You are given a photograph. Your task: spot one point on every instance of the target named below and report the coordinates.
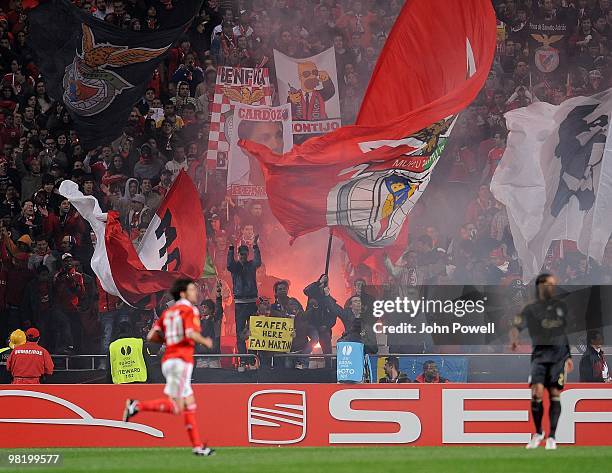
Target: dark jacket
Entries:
(401, 378)
(279, 308)
(244, 279)
(32, 303)
(211, 327)
(301, 327)
(591, 366)
(327, 311)
(360, 334)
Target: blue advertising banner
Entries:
(350, 362)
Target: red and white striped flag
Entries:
(174, 245)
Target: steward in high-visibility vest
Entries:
(127, 363)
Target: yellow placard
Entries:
(270, 333)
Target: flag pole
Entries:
(329, 246)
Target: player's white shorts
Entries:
(178, 377)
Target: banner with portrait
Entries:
(269, 126)
(310, 85)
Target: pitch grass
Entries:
(331, 460)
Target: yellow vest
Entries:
(2, 350)
(127, 361)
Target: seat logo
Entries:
(277, 416)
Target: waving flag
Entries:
(363, 180)
(555, 177)
(173, 246)
(98, 70)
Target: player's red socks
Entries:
(157, 405)
(189, 416)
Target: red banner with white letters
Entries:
(300, 415)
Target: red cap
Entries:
(32, 332)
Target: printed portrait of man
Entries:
(267, 133)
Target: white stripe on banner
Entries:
(89, 209)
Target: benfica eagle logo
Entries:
(546, 57)
(89, 86)
(376, 199)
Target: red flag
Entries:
(364, 179)
(174, 245)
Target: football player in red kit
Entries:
(179, 328)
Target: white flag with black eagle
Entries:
(555, 177)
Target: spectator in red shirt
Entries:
(479, 206)
(358, 21)
(177, 55)
(28, 362)
(430, 374)
(165, 182)
(102, 162)
(69, 222)
(494, 156)
(18, 79)
(68, 290)
(8, 100)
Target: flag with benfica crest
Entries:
(97, 69)
(363, 180)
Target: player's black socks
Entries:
(555, 412)
(537, 411)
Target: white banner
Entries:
(310, 85)
(269, 126)
(555, 177)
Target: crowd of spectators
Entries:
(45, 246)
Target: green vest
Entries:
(127, 361)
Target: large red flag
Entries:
(363, 180)
(173, 246)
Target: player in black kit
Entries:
(545, 320)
